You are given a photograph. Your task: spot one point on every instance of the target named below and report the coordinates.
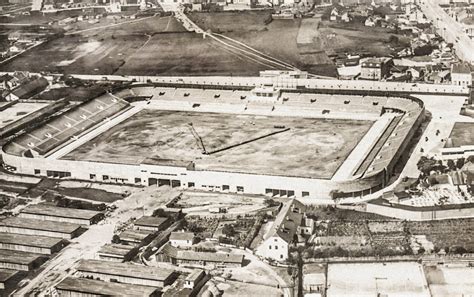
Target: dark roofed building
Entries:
(39, 227)
(28, 89)
(61, 214)
(117, 252)
(17, 260)
(87, 287)
(31, 243)
(201, 259)
(8, 278)
(148, 223)
(127, 273)
(136, 237)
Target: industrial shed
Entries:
(31, 243)
(20, 260)
(135, 237)
(153, 224)
(126, 273)
(117, 252)
(8, 278)
(61, 214)
(80, 287)
(39, 227)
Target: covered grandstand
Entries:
(67, 126)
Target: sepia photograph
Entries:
(207, 148)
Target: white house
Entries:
(461, 74)
(181, 239)
(290, 222)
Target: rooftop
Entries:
(195, 275)
(461, 68)
(29, 240)
(84, 285)
(6, 274)
(116, 249)
(181, 236)
(30, 88)
(63, 212)
(18, 257)
(33, 224)
(151, 221)
(134, 235)
(209, 257)
(287, 221)
(462, 134)
(125, 269)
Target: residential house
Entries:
(375, 68)
(461, 74)
(28, 89)
(182, 239)
(290, 222)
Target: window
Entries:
(191, 185)
(291, 193)
(240, 189)
(269, 247)
(37, 171)
(105, 177)
(92, 176)
(276, 247)
(225, 187)
(305, 194)
(138, 180)
(281, 256)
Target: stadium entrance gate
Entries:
(164, 182)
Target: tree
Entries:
(228, 230)
(451, 165)
(426, 165)
(460, 163)
(115, 239)
(393, 39)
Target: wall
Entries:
(419, 215)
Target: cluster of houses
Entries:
(21, 85)
(18, 43)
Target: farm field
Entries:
(159, 43)
(318, 147)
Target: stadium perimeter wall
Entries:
(143, 174)
(415, 214)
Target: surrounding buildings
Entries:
(461, 74)
(375, 68)
(117, 252)
(181, 239)
(8, 278)
(135, 237)
(61, 214)
(290, 223)
(207, 260)
(31, 243)
(79, 287)
(126, 273)
(39, 227)
(152, 224)
(18, 260)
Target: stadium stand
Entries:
(71, 123)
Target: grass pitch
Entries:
(311, 148)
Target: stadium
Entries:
(279, 141)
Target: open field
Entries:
(350, 37)
(152, 46)
(376, 279)
(462, 134)
(311, 147)
(450, 280)
(18, 111)
(277, 38)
